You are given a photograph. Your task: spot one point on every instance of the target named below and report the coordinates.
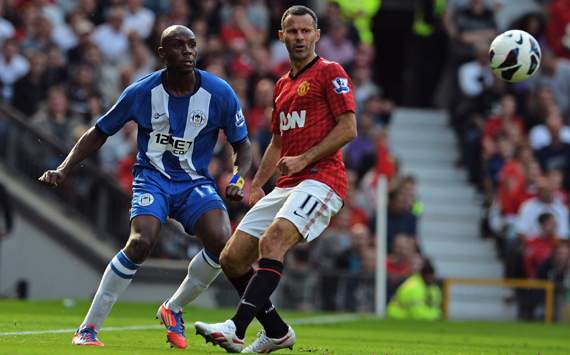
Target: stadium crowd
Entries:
(514, 141)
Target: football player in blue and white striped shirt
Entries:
(179, 111)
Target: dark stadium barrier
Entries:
(88, 194)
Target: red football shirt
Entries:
(304, 113)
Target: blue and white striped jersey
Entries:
(177, 135)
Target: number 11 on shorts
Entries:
(307, 207)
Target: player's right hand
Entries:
(52, 177)
(255, 194)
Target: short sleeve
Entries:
(338, 90)
(112, 121)
(235, 127)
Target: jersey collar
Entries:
(303, 69)
(196, 87)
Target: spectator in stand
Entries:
(545, 201)
(356, 213)
(505, 122)
(408, 185)
(13, 66)
(556, 155)
(476, 81)
(537, 249)
(538, 104)
(400, 218)
(179, 12)
(57, 69)
(495, 161)
(39, 38)
(209, 11)
(509, 195)
(143, 62)
(336, 46)
(56, 118)
(83, 30)
(258, 15)
(80, 89)
(418, 298)
(360, 153)
(364, 87)
(105, 75)
(469, 26)
(556, 178)
(30, 90)
(400, 262)
(111, 38)
(256, 116)
(554, 73)
(238, 31)
(92, 11)
(138, 18)
(380, 108)
(540, 135)
(331, 15)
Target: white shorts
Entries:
(309, 206)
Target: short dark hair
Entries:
(544, 217)
(427, 268)
(299, 10)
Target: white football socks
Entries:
(202, 271)
(116, 278)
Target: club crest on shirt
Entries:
(303, 88)
(146, 199)
(197, 118)
(341, 85)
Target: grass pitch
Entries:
(316, 333)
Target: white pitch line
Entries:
(72, 330)
(338, 318)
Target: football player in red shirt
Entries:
(313, 117)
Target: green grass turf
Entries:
(363, 336)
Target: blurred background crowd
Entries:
(63, 63)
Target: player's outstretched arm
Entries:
(242, 164)
(266, 168)
(89, 143)
(341, 134)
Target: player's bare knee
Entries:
(138, 248)
(218, 238)
(271, 246)
(232, 263)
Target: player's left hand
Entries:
(234, 193)
(291, 165)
